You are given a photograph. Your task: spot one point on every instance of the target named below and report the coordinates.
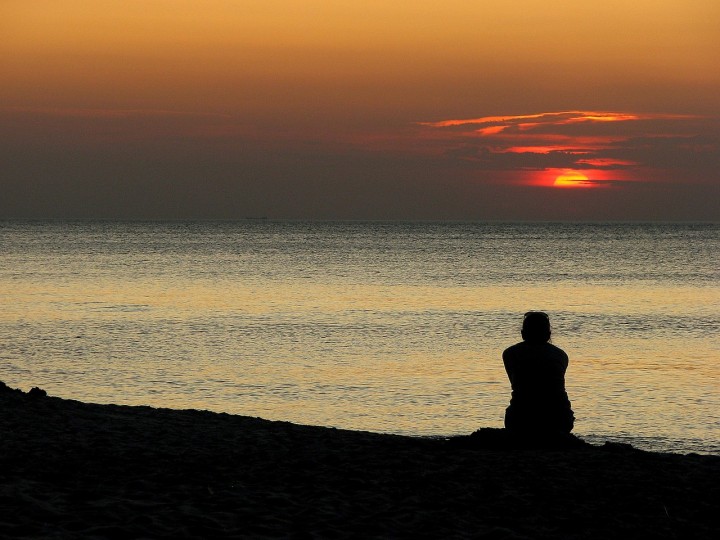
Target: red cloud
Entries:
(593, 142)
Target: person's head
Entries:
(536, 327)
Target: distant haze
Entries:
(523, 110)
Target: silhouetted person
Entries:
(536, 368)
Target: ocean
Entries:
(393, 327)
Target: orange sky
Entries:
(330, 108)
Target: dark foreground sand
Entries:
(76, 470)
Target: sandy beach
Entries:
(75, 470)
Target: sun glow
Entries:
(572, 179)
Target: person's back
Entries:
(536, 370)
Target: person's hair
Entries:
(536, 327)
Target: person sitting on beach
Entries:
(536, 369)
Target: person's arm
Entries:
(509, 364)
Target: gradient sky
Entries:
(370, 109)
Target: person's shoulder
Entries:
(557, 351)
(513, 350)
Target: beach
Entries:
(79, 470)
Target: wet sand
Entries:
(77, 470)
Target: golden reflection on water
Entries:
(446, 379)
(61, 300)
(385, 327)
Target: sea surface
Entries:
(388, 327)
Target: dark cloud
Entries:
(167, 166)
(699, 152)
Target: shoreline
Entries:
(71, 469)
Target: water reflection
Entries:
(384, 328)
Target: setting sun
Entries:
(572, 179)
